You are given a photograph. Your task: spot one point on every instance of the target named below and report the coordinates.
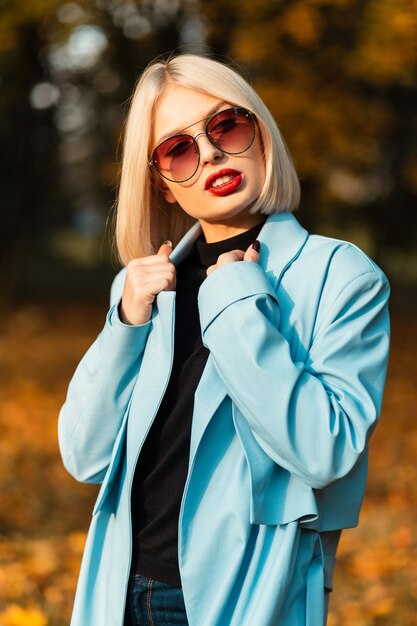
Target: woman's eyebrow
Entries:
(216, 108)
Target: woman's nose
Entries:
(208, 152)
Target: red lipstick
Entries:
(225, 188)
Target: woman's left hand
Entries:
(235, 255)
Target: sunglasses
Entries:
(232, 131)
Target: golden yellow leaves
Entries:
(15, 615)
(38, 578)
(377, 562)
(387, 49)
(44, 513)
(301, 22)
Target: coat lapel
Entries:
(282, 239)
(153, 375)
(186, 244)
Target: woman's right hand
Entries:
(145, 278)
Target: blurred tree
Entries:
(27, 135)
(341, 79)
(65, 69)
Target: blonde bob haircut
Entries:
(144, 219)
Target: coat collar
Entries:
(282, 238)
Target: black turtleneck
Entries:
(162, 467)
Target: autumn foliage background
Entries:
(341, 79)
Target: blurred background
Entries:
(340, 77)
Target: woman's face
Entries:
(221, 212)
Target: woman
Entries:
(227, 404)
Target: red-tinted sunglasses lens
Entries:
(232, 131)
(177, 158)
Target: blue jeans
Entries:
(154, 603)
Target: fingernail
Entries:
(169, 242)
(256, 245)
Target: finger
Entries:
(229, 257)
(251, 253)
(167, 269)
(147, 279)
(162, 256)
(149, 260)
(155, 285)
(165, 248)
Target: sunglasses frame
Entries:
(251, 116)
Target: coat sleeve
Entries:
(98, 395)
(313, 418)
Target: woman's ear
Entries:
(159, 184)
(168, 195)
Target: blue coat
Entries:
(290, 394)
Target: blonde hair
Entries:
(144, 219)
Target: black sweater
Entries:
(162, 467)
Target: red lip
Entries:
(225, 172)
(227, 188)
